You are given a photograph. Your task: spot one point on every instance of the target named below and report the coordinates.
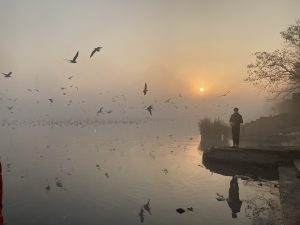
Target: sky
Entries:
(175, 46)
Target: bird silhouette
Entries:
(147, 207)
(149, 109)
(10, 107)
(168, 100)
(95, 50)
(141, 215)
(225, 94)
(50, 100)
(145, 89)
(7, 75)
(74, 59)
(99, 111)
(70, 77)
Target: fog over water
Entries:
(77, 145)
(175, 47)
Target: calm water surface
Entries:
(105, 174)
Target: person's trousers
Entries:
(236, 135)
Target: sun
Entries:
(201, 89)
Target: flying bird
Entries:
(7, 74)
(74, 59)
(50, 100)
(95, 50)
(10, 107)
(225, 94)
(168, 100)
(145, 89)
(70, 77)
(149, 109)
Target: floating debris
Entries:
(220, 197)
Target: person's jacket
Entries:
(236, 119)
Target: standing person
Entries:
(235, 120)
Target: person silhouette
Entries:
(233, 199)
(235, 120)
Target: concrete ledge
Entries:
(270, 156)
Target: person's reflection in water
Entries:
(233, 199)
(1, 195)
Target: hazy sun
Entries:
(201, 89)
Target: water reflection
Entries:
(230, 169)
(263, 208)
(233, 199)
(64, 170)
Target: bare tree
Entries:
(278, 72)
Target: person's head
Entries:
(235, 110)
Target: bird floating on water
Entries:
(147, 207)
(99, 111)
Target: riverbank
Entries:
(282, 163)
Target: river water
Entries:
(106, 174)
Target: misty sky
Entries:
(175, 46)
